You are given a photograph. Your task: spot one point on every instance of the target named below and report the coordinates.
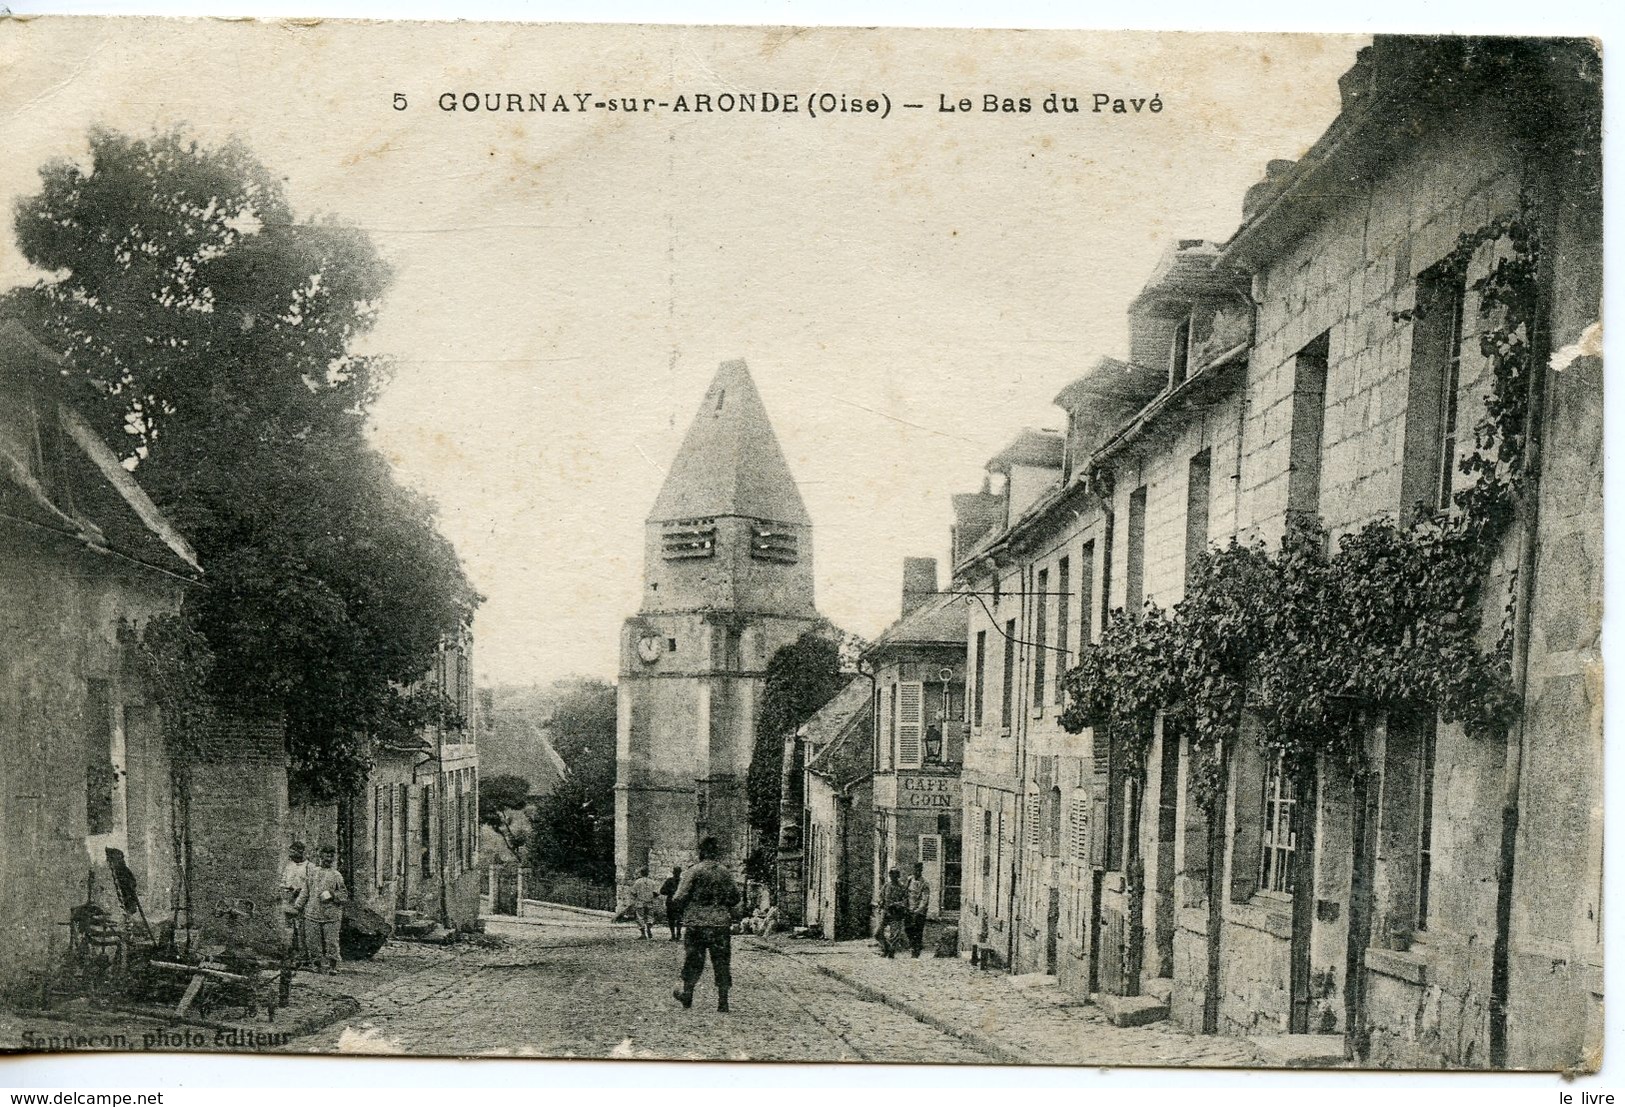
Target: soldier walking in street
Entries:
(707, 899)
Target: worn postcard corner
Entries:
(920, 546)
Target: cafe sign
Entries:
(920, 792)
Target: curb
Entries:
(980, 1042)
(594, 912)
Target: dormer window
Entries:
(1180, 355)
(687, 539)
(771, 542)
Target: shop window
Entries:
(1134, 584)
(1406, 820)
(1279, 839)
(1196, 515)
(1431, 410)
(1308, 427)
(1040, 636)
(1063, 616)
(1008, 703)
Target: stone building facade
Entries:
(409, 842)
(918, 667)
(87, 561)
(1323, 362)
(837, 822)
(727, 582)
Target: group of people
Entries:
(702, 906)
(644, 893)
(905, 905)
(313, 898)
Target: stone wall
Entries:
(65, 681)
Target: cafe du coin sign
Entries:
(927, 791)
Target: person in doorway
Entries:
(674, 917)
(918, 906)
(709, 901)
(321, 907)
(893, 906)
(295, 875)
(644, 891)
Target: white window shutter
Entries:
(910, 723)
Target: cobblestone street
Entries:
(571, 986)
(568, 985)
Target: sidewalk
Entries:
(1016, 1020)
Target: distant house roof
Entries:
(1185, 272)
(1041, 449)
(58, 475)
(829, 734)
(1113, 380)
(730, 462)
(941, 621)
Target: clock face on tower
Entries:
(649, 648)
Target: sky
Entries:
(908, 291)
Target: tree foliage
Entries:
(574, 825)
(502, 798)
(801, 677)
(208, 330)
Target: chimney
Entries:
(919, 582)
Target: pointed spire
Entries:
(730, 462)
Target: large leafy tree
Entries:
(209, 332)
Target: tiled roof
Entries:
(829, 721)
(730, 462)
(941, 620)
(1039, 448)
(56, 473)
(1111, 379)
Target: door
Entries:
(951, 873)
(1364, 811)
(1303, 897)
(931, 863)
(1167, 828)
(1052, 932)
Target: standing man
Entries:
(707, 899)
(919, 905)
(674, 917)
(321, 904)
(295, 875)
(893, 906)
(644, 891)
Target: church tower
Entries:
(727, 581)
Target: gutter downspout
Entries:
(1512, 783)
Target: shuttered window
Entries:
(910, 723)
(1033, 817)
(1078, 828)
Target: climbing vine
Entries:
(175, 663)
(1300, 638)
